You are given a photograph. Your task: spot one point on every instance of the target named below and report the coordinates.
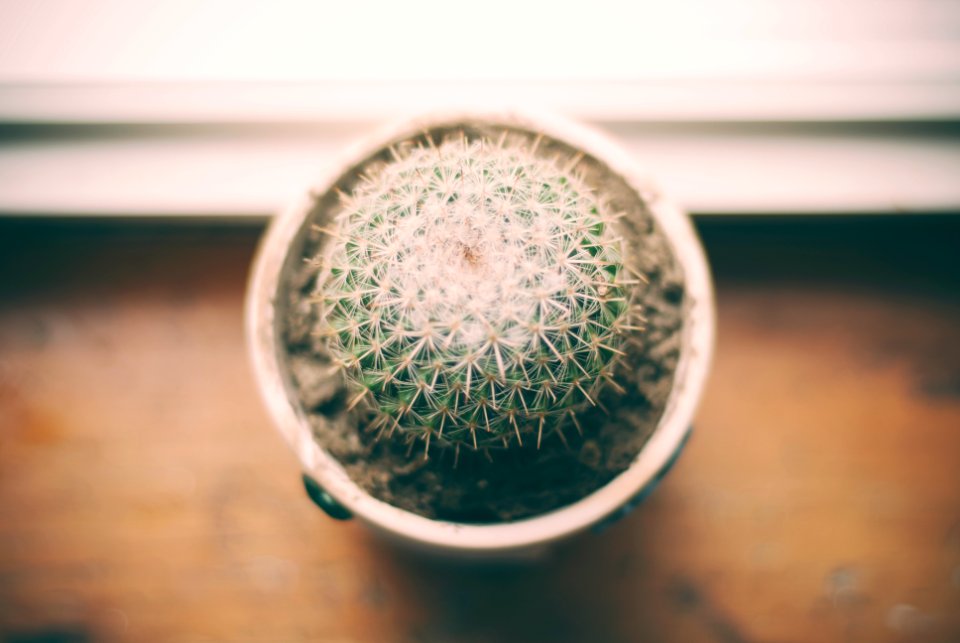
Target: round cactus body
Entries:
(474, 293)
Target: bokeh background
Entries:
(144, 495)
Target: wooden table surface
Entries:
(145, 497)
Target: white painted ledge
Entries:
(252, 170)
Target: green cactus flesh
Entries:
(474, 294)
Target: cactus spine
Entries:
(474, 294)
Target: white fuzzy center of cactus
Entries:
(477, 261)
(470, 292)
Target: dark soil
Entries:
(508, 484)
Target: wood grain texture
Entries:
(145, 497)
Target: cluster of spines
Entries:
(474, 293)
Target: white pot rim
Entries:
(689, 379)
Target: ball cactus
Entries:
(475, 293)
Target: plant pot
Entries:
(327, 481)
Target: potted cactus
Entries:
(481, 333)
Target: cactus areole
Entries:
(474, 294)
(480, 322)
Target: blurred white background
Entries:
(225, 108)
